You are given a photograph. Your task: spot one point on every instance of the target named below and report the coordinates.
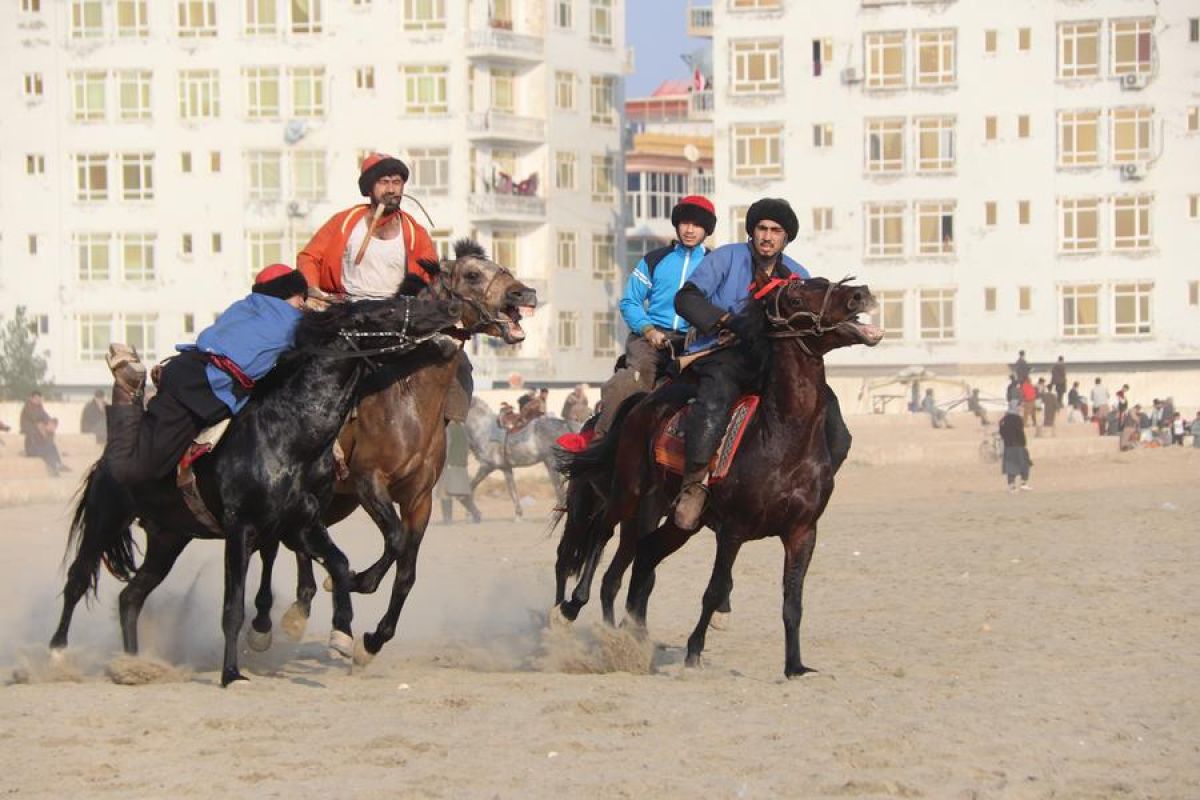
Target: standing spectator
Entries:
(575, 407)
(1016, 462)
(1013, 392)
(1100, 406)
(94, 419)
(1178, 429)
(1029, 395)
(1122, 402)
(1058, 379)
(38, 428)
(1129, 429)
(1021, 367)
(1050, 399)
(455, 483)
(1075, 403)
(1195, 431)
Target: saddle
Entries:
(185, 478)
(669, 440)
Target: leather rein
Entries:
(786, 326)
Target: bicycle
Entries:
(991, 449)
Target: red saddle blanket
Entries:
(668, 444)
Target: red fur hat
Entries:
(697, 209)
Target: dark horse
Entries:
(267, 480)
(396, 445)
(778, 485)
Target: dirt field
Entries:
(971, 644)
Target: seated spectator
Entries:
(575, 407)
(937, 416)
(38, 428)
(1195, 431)
(94, 419)
(976, 407)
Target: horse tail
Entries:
(100, 532)
(596, 460)
(584, 511)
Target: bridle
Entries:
(785, 327)
(352, 338)
(484, 317)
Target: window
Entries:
(137, 257)
(504, 247)
(1079, 49)
(989, 299)
(822, 219)
(890, 315)
(263, 176)
(1023, 126)
(935, 227)
(1194, 29)
(823, 134)
(1024, 39)
(937, 314)
(1131, 131)
(503, 92)
(935, 144)
(308, 91)
(87, 19)
(91, 177)
(215, 243)
(989, 129)
(1079, 138)
(185, 162)
(885, 230)
(568, 250)
(308, 174)
(737, 223)
(885, 60)
(756, 66)
(563, 14)
(439, 236)
(757, 151)
(262, 92)
(263, 249)
(935, 58)
(1022, 212)
(1193, 204)
(429, 169)
(989, 213)
(1131, 308)
(1080, 228)
(35, 164)
(214, 161)
(601, 22)
(1193, 117)
(364, 79)
(1131, 222)
(745, 5)
(885, 145)
(189, 323)
(31, 6)
(989, 42)
(185, 244)
(89, 97)
(95, 335)
(1132, 43)
(654, 194)
(424, 89)
(822, 54)
(564, 170)
(306, 16)
(564, 90)
(140, 333)
(131, 19)
(604, 256)
(33, 86)
(604, 89)
(1024, 298)
(1080, 311)
(1194, 293)
(261, 18)
(137, 176)
(604, 179)
(95, 254)
(199, 94)
(424, 15)
(568, 330)
(133, 95)
(197, 18)
(604, 334)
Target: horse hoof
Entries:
(362, 656)
(797, 672)
(558, 618)
(294, 622)
(235, 681)
(341, 644)
(258, 641)
(692, 661)
(58, 655)
(719, 621)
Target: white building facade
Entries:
(1018, 175)
(157, 154)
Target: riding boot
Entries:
(689, 505)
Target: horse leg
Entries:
(583, 587)
(233, 613)
(320, 546)
(295, 620)
(258, 638)
(511, 482)
(375, 500)
(798, 550)
(483, 471)
(719, 586)
(616, 570)
(651, 551)
(412, 533)
(556, 480)
(162, 549)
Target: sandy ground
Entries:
(971, 644)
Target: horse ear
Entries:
(432, 266)
(411, 286)
(468, 247)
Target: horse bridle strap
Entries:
(775, 316)
(485, 317)
(356, 351)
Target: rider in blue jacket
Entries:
(656, 331)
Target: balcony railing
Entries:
(700, 21)
(500, 125)
(505, 44)
(506, 206)
(700, 105)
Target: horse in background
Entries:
(496, 448)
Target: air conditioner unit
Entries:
(296, 209)
(1134, 171)
(851, 75)
(1134, 80)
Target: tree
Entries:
(21, 369)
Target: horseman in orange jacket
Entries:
(336, 262)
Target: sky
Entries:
(657, 30)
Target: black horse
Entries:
(266, 482)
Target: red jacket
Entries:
(321, 260)
(1028, 393)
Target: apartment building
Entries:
(1018, 175)
(156, 154)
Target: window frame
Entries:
(876, 45)
(1072, 318)
(880, 220)
(940, 330)
(1072, 35)
(943, 42)
(1072, 213)
(745, 138)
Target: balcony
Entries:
(497, 44)
(506, 208)
(700, 21)
(700, 105)
(497, 126)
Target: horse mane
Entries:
(319, 328)
(467, 247)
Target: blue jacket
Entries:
(724, 278)
(252, 333)
(651, 301)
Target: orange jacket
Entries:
(321, 260)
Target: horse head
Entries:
(491, 294)
(822, 310)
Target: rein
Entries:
(352, 337)
(485, 317)
(785, 326)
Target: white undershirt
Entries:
(382, 269)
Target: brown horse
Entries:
(778, 485)
(396, 446)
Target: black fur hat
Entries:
(776, 210)
(376, 166)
